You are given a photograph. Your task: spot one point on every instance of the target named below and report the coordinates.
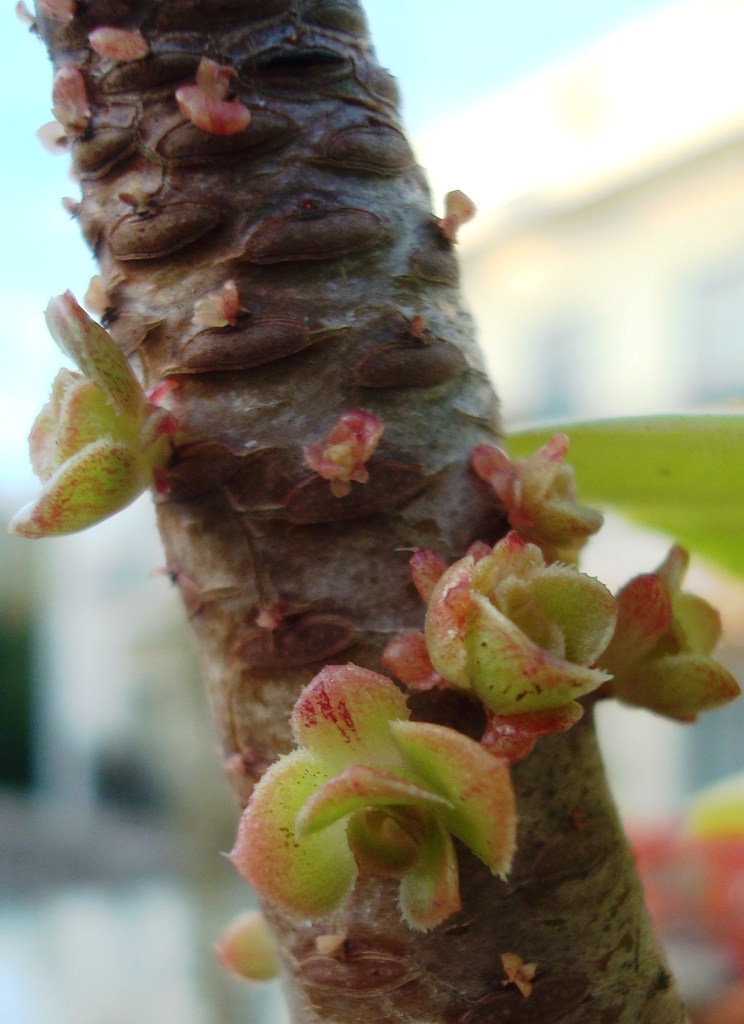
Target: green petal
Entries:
(581, 606)
(511, 674)
(477, 785)
(309, 875)
(92, 485)
(430, 891)
(677, 685)
(95, 353)
(699, 623)
(85, 416)
(343, 716)
(358, 787)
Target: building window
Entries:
(718, 336)
(557, 370)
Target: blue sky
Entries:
(445, 54)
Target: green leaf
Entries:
(681, 474)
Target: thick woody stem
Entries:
(278, 194)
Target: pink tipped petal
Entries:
(644, 616)
(511, 674)
(343, 716)
(446, 622)
(430, 891)
(494, 467)
(514, 736)
(674, 567)
(119, 44)
(308, 876)
(408, 659)
(477, 784)
(218, 309)
(70, 100)
(214, 79)
(95, 353)
(698, 622)
(581, 606)
(678, 685)
(538, 473)
(358, 787)
(427, 568)
(246, 948)
(512, 556)
(90, 486)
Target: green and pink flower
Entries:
(369, 791)
(659, 656)
(99, 442)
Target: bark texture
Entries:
(349, 299)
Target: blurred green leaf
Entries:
(682, 474)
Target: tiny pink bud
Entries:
(166, 387)
(514, 736)
(458, 210)
(333, 945)
(70, 100)
(53, 137)
(407, 658)
(478, 550)
(427, 568)
(272, 616)
(218, 309)
(118, 44)
(341, 456)
(160, 480)
(61, 10)
(24, 15)
(518, 972)
(247, 949)
(205, 105)
(96, 298)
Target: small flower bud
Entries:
(70, 99)
(119, 44)
(205, 103)
(341, 456)
(246, 948)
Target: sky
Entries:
(442, 59)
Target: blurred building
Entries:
(605, 268)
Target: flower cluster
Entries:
(522, 635)
(342, 455)
(659, 656)
(539, 497)
(368, 790)
(99, 442)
